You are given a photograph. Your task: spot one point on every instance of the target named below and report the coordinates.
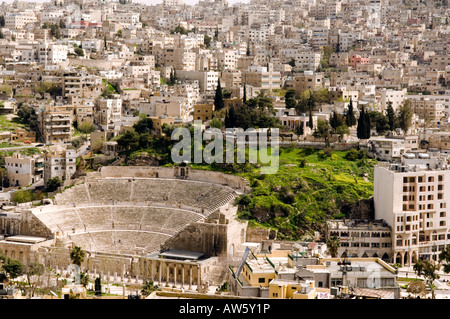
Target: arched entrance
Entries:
(385, 257)
(398, 258)
(406, 259)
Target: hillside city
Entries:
(351, 96)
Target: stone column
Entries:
(152, 271)
(190, 277)
(160, 274)
(182, 277)
(199, 276)
(175, 275)
(168, 274)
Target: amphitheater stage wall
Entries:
(222, 237)
(174, 172)
(24, 223)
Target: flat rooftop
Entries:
(181, 255)
(25, 239)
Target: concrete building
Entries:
(411, 197)
(203, 112)
(361, 238)
(265, 78)
(55, 124)
(59, 162)
(24, 170)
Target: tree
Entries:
(98, 286)
(129, 140)
(380, 121)
(363, 129)
(148, 288)
(350, 118)
(218, 98)
(323, 131)
(77, 255)
(12, 267)
(289, 99)
(2, 21)
(22, 196)
(87, 127)
(405, 115)
(207, 41)
(27, 116)
(390, 115)
(428, 270)
(79, 51)
(216, 123)
(34, 272)
(53, 184)
(444, 257)
(244, 98)
(417, 288)
(84, 279)
(144, 125)
(333, 245)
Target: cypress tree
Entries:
(367, 124)
(310, 123)
(218, 98)
(391, 116)
(333, 120)
(232, 117)
(350, 119)
(244, 98)
(363, 129)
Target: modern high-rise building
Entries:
(411, 197)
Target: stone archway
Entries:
(398, 258)
(385, 257)
(406, 258)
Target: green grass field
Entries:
(307, 189)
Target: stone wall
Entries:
(257, 235)
(31, 226)
(173, 172)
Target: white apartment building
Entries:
(307, 61)
(227, 59)
(24, 170)
(412, 198)
(346, 39)
(125, 18)
(18, 20)
(396, 97)
(52, 53)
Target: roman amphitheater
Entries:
(171, 225)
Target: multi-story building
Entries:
(55, 124)
(396, 97)
(309, 80)
(308, 61)
(361, 238)
(265, 78)
(203, 112)
(412, 197)
(24, 170)
(59, 162)
(109, 111)
(18, 20)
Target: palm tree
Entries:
(333, 245)
(77, 256)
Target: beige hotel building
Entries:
(411, 197)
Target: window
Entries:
(261, 280)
